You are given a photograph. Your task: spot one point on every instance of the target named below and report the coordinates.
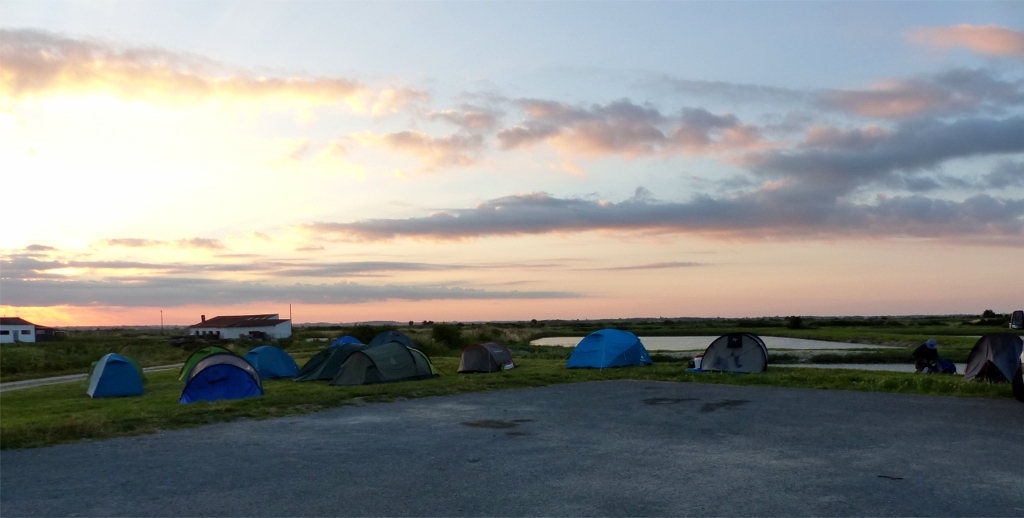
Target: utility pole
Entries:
(161, 321)
(290, 312)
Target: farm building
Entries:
(15, 329)
(243, 326)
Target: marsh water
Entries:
(699, 343)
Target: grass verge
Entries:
(63, 413)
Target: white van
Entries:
(1017, 320)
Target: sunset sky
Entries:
(504, 161)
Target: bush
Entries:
(794, 322)
(448, 334)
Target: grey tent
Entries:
(326, 364)
(391, 336)
(995, 357)
(389, 362)
(488, 357)
(736, 352)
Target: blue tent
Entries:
(114, 375)
(609, 348)
(272, 362)
(387, 337)
(221, 376)
(345, 340)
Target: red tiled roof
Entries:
(14, 321)
(241, 321)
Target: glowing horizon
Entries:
(199, 176)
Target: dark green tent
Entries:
(199, 355)
(326, 363)
(389, 362)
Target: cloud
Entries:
(40, 248)
(1006, 174)
(432, 152)
(38, 63)
(837, 161)
(195, 242)
(955, 91)
(741, 92)
(990, 40)
(624, 128)
(781, 211)
(172, 292)
(26, 266)
(655, 266)
(471, 119)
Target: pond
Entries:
(699, 343)
(893, 367)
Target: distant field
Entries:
(75, 353)
(63, 413)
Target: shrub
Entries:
(448, 334)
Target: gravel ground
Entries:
(616, 448)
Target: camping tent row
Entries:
(734, 352)
(390, 356)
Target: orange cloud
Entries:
(451, 150)
(40, 64)
(991, 40)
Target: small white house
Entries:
(243, 326)
(15, 329)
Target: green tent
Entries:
(199, 355)
(385, 363)
(325, 364)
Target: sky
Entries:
(471, 161)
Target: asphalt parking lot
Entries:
(616, 448)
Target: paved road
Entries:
(39, 382)
(617, 448)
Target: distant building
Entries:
(243, 326)
(15, 329)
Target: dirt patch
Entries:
(490, 423)
(667, 400)
(725, 403)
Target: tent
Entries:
(736, 352)
(391, 336)
(345, 340)
(325, 364)
(488, 357)
(199, 355)
(609, 348)
(386, 363)
(221, 376)
(114, 375)
(995, 357)
(272, 362)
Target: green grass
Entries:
(63, 413)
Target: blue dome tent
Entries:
(345, 340)
(387, 337)
(221, 376)
(271, 362)
(114, 375)
(609, 348)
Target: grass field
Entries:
(79, 348)
(63, 413)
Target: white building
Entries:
(15, 329)
(243, 326)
